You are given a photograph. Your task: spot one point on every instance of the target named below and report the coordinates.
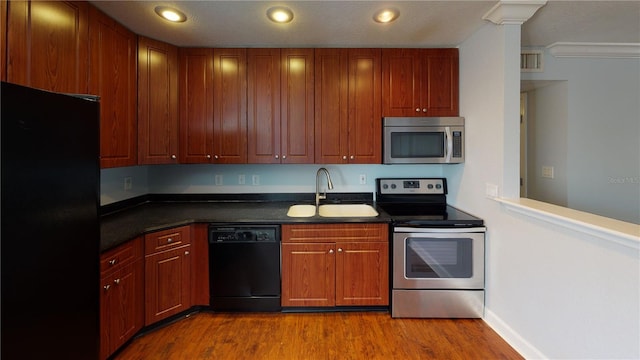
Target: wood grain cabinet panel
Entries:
(157, 102)
(47, 44)
(196, 105)
(113, 77)
(3, 40)
(348, 106)
(280, 106)
(121, 295)
(420, 82)
(167, 270)
(335, 265)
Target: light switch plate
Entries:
(491, 190)
(547, 172)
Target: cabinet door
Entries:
(196, 105)
(400, 82)
(230, 106)
(47, 44)
(167, 283)
(157, 102)
(263, 97)
(362, 273)
(3, 41)
(440, 82)
(331, 106)
(297, 109)
(113, 77)
(308, 274)
(365, 111)
(121, 310)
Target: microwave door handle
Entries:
(449, 148)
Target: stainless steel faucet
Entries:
(329, 185)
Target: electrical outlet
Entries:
(241, 179)
(363, 179)
(218, 179)
(491, 190)
(255, 179)
(128, 183)
(547, 172)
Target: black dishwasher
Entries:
(244, 267)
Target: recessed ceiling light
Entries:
(170, 14)
(386, 15)
(280, 14)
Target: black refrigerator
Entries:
(49, 244)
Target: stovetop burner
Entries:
(420, 202)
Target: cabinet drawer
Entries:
(166, 239)
(123, 254)
(335, 232)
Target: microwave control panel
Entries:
(427, 186)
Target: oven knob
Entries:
(393, 186)
(430, 186)
(438, 186)
(385, 186)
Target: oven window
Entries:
(417, 144)
(438, 258)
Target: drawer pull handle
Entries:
(169, 240)
(113, 262)
(339, 249)
(107, 287)
(330, 251)
(116, 281)
(186, 253)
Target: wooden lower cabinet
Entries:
(121, 296)
(167, 273)
(326, 265)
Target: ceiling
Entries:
(239, 23)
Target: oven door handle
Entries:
(439, 230)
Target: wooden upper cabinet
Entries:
(157, 102)
(196, 105)
(297, 106)
(420, 82)
(280, 103)
(3, 41)
(113, 77)
(47, 44)
(263, 98)
(229, 106)
(348, 116)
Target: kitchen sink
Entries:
(347, 210)
(333, 210)
(301, 211)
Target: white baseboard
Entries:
(526, 349)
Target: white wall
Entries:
(602, 133)
(547, 139)
(552, 292)
(200, 179)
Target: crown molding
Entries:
(595, 50)
(513, 12)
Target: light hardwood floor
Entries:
(339, 335)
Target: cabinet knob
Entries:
(208, 156)
(339, 249)
(417, 109)
(330, 251)
(424, 110)
(216, 157)
(352, 157)
(344, 157)
(284, 156)
(174, 157)
(277, 156)
(186, 253)
(116, 281)
(113, 262)
(106, 287)
(169, 240)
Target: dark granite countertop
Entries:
(150, 214)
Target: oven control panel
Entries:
(413, 186)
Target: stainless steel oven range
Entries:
(437, 251)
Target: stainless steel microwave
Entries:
(423, 140)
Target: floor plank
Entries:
(338, 335)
